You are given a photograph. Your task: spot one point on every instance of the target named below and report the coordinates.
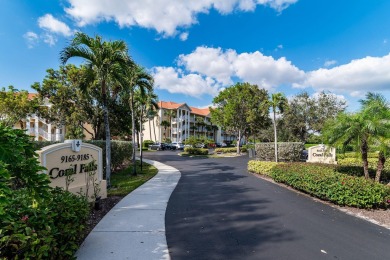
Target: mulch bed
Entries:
(96, 215)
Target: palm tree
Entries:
(135, 78)
(369, 126)
(151, 106)
(104, 61)
(146, 100)
(165, 124)
(170, 114)
(376, 108)
(278, 103)
(155, 114)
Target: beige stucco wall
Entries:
(84, 168)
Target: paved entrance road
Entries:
(219, 211)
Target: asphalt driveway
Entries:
(219, 211)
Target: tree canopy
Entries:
(240, 107)
(15, 106)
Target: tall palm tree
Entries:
(153, 114)
(368, 126)
(135, 78)
(278, 103)
(145, 100)
(104, 61)
(377, 109)
(165, 124)
(151, 108)
(170, 114)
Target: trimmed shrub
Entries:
(50, 229)
(287, 152)
(354, 166)
(196, 151)
(230, 150)
(261, 167)
(357, 156)
(37, 221)
(121, 152)
(146, 143)
(40, 144)
(324, 182)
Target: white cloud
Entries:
(174, 81)
(51, 24)
(254, 67)
(330, 63)
(31, 38)
(209, 70)
(165, 16)
(356, 77)
(211, 62)
(265, 71)
(49, 39)
(184, 36)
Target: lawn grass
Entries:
(122, 182)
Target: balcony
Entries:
(45, 135)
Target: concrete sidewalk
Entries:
(135, 227)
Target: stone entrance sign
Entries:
(322, 154)
(76, 167)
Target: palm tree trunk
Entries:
(133, 134)
(154, 130)
(238, 141)
(276, 138)
(150, 130)
(140, 136)
(364, 150)
(381, 165)
(108, 137)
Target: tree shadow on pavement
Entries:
(215, 213)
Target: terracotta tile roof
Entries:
(200, 111)
(169, 105)
(32, 95)
(173, 105)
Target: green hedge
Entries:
(287, 152)
(261, 167)
(354, 166)
(230, 150)
(324, 182)
(146, 143)
(357, 156)
(37, 221)
(196, 151)
(50, 229)
(121, 152)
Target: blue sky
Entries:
(194, 49)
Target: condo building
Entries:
(179, 121)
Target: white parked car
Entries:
(179, 146)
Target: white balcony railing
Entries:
(45, 135)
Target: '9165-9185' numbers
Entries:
(74, 158)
